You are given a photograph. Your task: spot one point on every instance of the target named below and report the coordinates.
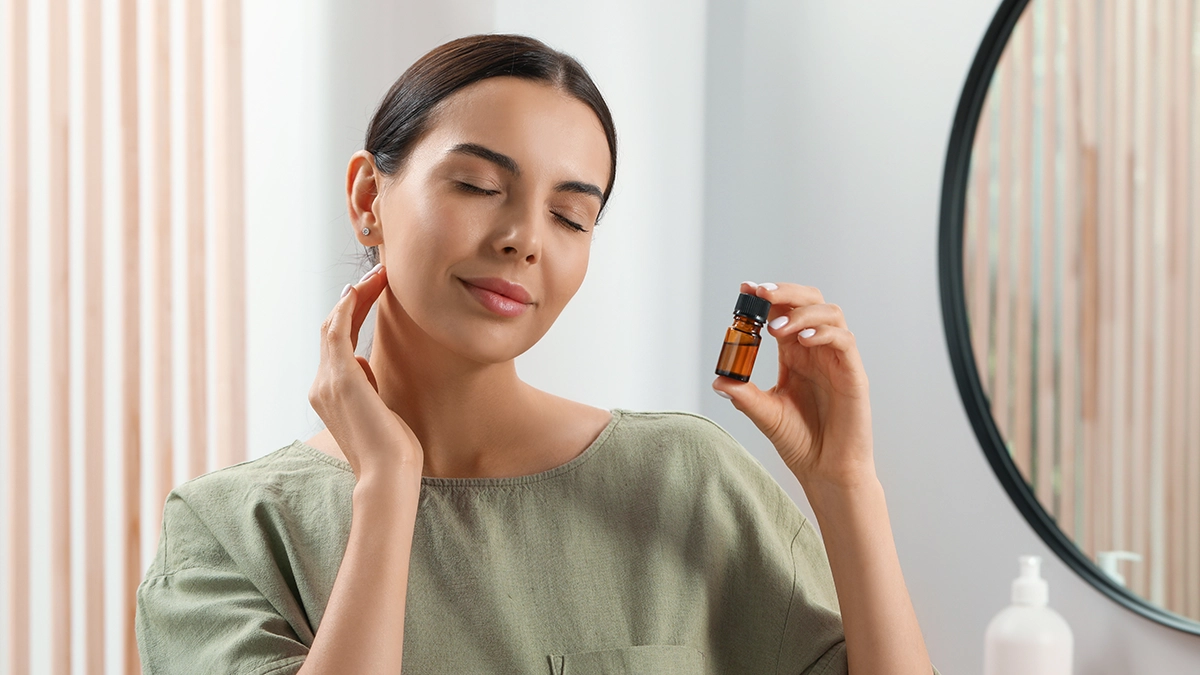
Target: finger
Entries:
(369, 288)
(336, 343)
(784, 297)
(809, 316)
(755, 403)
(838, 338)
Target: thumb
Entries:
(753, 402)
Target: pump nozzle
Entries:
(1030, 588)
(1108, 563)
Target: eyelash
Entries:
(474, 189)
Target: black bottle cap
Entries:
(753, 307)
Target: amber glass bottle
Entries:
(743, 337)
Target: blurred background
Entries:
(175, 231)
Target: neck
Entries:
(473, 419)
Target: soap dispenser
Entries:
(1108, 560)
(1028, 638)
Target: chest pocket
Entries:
(641, 660)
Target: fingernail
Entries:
(769, 286)
(808, 332)
(345, 290)
(368, 275)
(779, 322)
(751, 283)
(723, 394)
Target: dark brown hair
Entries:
(404, 113)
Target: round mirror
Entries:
(1070, 283)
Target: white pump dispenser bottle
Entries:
(1028, 638)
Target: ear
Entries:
(362, 188)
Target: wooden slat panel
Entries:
(1023, 325)
(1158, 405)
(971, 226)
(1101, 447)
(1107, 271)
(131, 413)
(1130, 158)
(1095, 495)
(230, 347)
(17, 328)
(160, 176)
(1122, 237)
(969, 237)
(978, 249)
(196, 259)
(1068, 412)
(230, 256)
(1047, 307)
(94, 311)
(59, 368)
(1193, 417)
(1177, 94)
(1141, 383)
(1001, 378)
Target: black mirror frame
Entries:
(958, 340)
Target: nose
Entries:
(520, 234)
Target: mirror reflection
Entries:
(1082, 272)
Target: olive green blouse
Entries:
(663, 548)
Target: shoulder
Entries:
(682, 430)
(253, 507)
(680, 437)
(701, 462)
(291, 476)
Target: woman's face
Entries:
(504, 185)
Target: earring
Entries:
(366, 230)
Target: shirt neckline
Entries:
(593, 448)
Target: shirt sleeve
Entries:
(813, 642)
(813, 614)
(198, 612)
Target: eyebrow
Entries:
(581, 188)
(499, 159)
(510, 165)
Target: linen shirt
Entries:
(664, 547)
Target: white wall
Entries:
(627, 339)
(785, 141)
(314, 77)
(826, 137)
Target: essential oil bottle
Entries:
(743, 337)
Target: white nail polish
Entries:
(345, 290)
(722, 394)
(374, 270)
(751, 283)
(779, 322)
(769, 286)
(808, 332)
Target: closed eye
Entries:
(570, 223)
(475, 189)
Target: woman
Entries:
(458, 518)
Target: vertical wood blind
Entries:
(1082, 252)
(198, 116)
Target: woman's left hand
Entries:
(818, 415)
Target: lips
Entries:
(513, 291)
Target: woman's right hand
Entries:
(345, 394)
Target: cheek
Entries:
(567, 270)
(426, 225)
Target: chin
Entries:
(491, 345)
